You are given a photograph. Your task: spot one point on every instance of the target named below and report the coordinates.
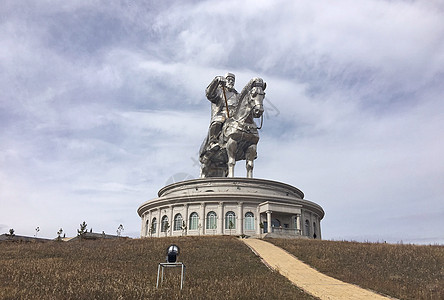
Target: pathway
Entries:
(305, 277)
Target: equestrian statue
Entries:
(233, 134)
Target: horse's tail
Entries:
(203, 146)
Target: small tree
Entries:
(119, 229)
(82, 230)
(184, 228)
(37, 229)
(230, 226)
(166, 226)
(152, 229)
(59, 233)
(11, 233)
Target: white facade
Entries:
(230, 206)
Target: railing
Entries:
(284, 230)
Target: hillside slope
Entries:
(216, 268)
(401, 271)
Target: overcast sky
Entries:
(103, 102)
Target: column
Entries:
(298, 224)
(147, 229)
(159, 223)
(146, 217)
(150, 221)
(269, 221)
(257, 218)
(220, 218)
(240, 223)
(186, 218)
(312, 231)
(303, 223)
(142, 231)
(171, 220)
(315, 225)
(202, 219)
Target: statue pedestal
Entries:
(231, 206)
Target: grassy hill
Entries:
(217, 268)
(401, 271)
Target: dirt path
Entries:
(305, 277)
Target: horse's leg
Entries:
(204, 165)
(250, 155)
(202, 171)
(231, 152)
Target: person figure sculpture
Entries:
(232, 134)
(223, 97)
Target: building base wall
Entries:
(230, 206)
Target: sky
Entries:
(103, 103)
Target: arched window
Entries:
(165, 224)
(177, 222)
(307, 227)
(147, 227)
(153, 226)
(230, 220)
(211, 220)
(194, 220)
(249, 221)
(314, 230)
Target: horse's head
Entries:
(257, 96)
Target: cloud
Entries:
(102, 103)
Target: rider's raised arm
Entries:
(211, 91)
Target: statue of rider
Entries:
(220, 92)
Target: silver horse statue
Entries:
(239, 136)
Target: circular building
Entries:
(230, 206)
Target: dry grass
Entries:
(217, 268)
(401, 271)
